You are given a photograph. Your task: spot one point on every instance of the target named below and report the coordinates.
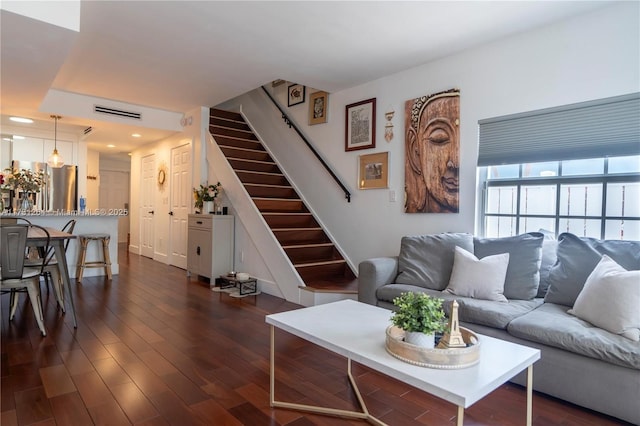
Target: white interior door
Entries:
(147, 192)
(181, 199)
(114, 196)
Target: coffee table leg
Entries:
(460, 418)
(529, 394)
(315, 409)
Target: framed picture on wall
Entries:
(318, 107)
(360, 125)
(295, 94)
(373, 171)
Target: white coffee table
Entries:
(357, 331)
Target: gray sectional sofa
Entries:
(580, 363)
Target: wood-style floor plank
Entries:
(155, 348)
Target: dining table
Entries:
(37, 238)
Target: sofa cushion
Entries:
(549, 257)
(478, 279)
(525, 253)
(610, 299)
(550, 324)
(477, 311)
(427, 260)
(578, 256)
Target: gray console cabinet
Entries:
(210, 245)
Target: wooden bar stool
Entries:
(104, 263)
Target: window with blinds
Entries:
(567, 169)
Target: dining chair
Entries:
(14, 276)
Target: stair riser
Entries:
(280, 205)
(290, 221)
(223, 131)
(245, 154)
(248, 177)
(300, 237)
(229, 142)
(271, 192)
(214, 112)
(219, 122)
(323, 272)
(238, 164)
(312, 254)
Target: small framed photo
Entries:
(373, 171)
(360, 125)
(295, 94)
(318, 107)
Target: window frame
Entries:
(605, 179)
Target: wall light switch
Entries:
(392, 195)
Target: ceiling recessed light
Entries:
(111, 146)
(136, 135)
(18, 137)
(21, 120)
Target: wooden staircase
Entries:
(311, 252)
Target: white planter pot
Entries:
(420, 339)
(207, 207)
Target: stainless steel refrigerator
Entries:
(60, 188)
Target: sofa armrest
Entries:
(373, 274)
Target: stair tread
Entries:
(259, 151)
(315, 228)
(287, 213)
(307, 245)
(251, 161)
(320, 263)
(266, 185)
(297, 200)
(260, 173)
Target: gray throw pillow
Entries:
(549, 257)
(427, 260)
(578, 257)
(525, 253)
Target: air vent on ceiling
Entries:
(117, 112)
(88, 130)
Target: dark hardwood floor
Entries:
(153, 348)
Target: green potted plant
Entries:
(420, 316)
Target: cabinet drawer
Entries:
(200, 221)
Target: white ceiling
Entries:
(179, 55)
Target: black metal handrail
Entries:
(291, 124)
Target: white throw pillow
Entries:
(610, 299)
(479, 279)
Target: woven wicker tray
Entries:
(450, 358)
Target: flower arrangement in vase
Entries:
(206, 193)
(420, 316)
(26, 181)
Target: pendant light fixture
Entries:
(55, 160)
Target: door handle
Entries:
(151, 212)
(170, 213)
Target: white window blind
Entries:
(599, 128)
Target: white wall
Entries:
(592, 56)
(93, 185)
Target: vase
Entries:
(26, 204)
(207, 207)
(420, 339)
(217, 206)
